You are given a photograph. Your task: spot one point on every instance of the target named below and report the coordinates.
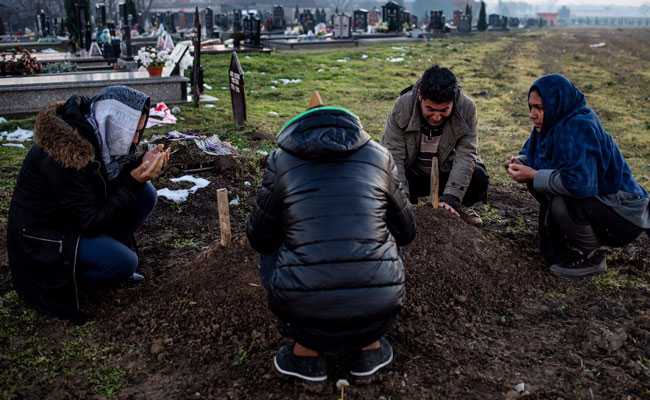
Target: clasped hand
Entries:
(519, 172)
(152, 164)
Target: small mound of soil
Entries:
(214, 319)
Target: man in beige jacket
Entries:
(432, 119)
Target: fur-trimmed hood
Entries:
(60, 140)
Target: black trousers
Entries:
(420, 186)
(583, 224)
(333, 337)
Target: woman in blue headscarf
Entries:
(588, 196)
(81, 193)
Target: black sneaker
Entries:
(369, 362)
(309, 369)
(581, 266)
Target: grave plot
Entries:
(483, 319)
(478, 322)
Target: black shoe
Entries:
(310, 369)
(581, 266)
(369, 362)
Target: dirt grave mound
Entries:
(213, 318)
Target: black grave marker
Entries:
(237, 92)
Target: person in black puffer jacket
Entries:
(329, 219)
(80, 194)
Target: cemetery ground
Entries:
(482, 314)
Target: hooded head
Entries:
(559, 97)
(323, 132)
(115, 113)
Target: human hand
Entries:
(449, 208)
(152, 164)
(150, 155)
(511, 160)
(521, 173)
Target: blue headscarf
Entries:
(573, 141)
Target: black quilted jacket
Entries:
(332, 212)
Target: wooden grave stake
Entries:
(435, 194)
(315, 100)
(224, 217)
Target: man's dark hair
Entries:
(438, 84)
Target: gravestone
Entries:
(173, 67)
(197, 78)
(100, 15)
(342, 26)
(278, 21)
(504, 23)
(360, 20)
(252, 31)
(307, 21)
(436, 21)
(41, 24)
(406, 18)
(392, 16)
(173, 21)
(236, 21)
(494, 20)
(237, 91)
(222, 21)
(458, 15)
(414, 21)
(373, 17)
(126, 30)
(465, 25)
(513, 22)
(209, 22)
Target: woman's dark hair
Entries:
(438, 84)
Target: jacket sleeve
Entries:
(96, 216)
(465, 157)
(400, 218)
(394, 141)
(264, 229)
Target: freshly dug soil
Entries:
(482, 315)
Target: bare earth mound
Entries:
(481, 316)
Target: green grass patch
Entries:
(37, 351)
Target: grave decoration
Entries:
(152, 60)
(22, 63)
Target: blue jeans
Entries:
(104, 260)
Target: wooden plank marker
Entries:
(435, 195)
(315, 100)
(224, 217)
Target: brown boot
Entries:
(470, 217)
